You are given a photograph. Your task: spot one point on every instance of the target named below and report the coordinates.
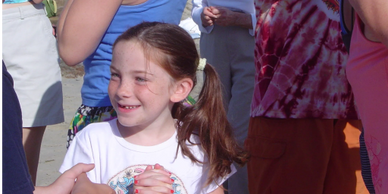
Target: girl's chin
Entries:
(125, 122)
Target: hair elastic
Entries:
(202, 64)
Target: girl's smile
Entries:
(127, 107)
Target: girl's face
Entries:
(139, 89)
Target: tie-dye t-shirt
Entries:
(300, 61)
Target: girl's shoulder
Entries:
(98, 129)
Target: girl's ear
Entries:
(181, 90)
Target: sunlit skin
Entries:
(140, 96)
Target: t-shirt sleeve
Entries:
(215, 184)
(79, 152)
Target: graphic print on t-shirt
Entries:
(123, 182)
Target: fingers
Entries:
(207, 11)
(215, 10)
(149, 167)
(157, 175)
(157, 168)
(78, 169)
(155, 179)
(153, 190)
(150, 180)
(207, 22)
(220, 11)
(207, 17)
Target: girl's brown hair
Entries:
(173, 48)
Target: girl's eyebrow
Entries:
(142, 72)
(135, 71)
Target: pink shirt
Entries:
(367, 71)
(300, 61)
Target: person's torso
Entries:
(97, 72)
(300, 61)
(367, 71)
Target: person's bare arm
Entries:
(66, 183)
(374, 14)
(81, 26)
(85, 186)
(226, 17)
(219, 190)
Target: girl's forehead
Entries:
(132, 47)
(144, 55)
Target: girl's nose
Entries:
(125, 90)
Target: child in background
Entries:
(153, 70)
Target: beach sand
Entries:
(53, 147)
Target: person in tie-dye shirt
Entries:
(304, 128)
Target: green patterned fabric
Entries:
(50, 7)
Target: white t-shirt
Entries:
(117, 161)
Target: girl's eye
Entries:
(139, 79)
(114, 75)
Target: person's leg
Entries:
(288, 155)
(242, 82)
(344, 168)
(32, 140)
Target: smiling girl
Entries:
(157, 144)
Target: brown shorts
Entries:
(304, 156)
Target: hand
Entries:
(223, 16)
(54, 31)
(154, 181)
(64, 183)
(207, 17)
(85, 186)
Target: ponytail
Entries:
(207, 118)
